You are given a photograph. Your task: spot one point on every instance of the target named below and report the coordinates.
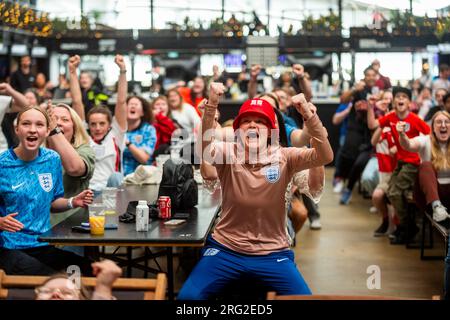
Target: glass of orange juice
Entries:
(97, 218)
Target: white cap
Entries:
(142, 203)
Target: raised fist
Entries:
(216, 90)
(306, 109)
(74, 62)
(298, 70)
(401, 127)
(5, 88)
(255, 70)
(120, 62)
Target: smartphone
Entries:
(181, 215)
(111, 226)
(81, 229)
(174, 222)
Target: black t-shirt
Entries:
(358, 134)
(20, 81)
(431, 113)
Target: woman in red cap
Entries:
(250, 240)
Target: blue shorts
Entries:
(219, 266)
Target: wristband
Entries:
(123, 71)
(128, 144)
(69, 203)
(210, 105)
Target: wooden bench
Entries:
(428, 219)
(153, 289)
(274, 296)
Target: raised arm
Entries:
(411, 145)
(321, 152)
(301, 137)
(376, 137)
(208, 122)
(347, 96)
(338, 117)
(19, 100)
(72, 163)
(120, 111)
(252, 88)
(303, 82)
(372, 123)
(74, 84)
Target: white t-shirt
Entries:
(5, 103)
(186, 117)
(107, 155)
(443, 176)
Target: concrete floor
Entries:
(335, 259)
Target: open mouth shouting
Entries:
(252, 134)
(32, 140)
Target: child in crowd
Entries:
(31, 185)
(404, 175)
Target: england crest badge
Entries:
(46, 181)
(272, 173)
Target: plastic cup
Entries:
(109, 196)
(97, 218)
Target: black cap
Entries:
(404, 90)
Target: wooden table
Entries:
(192, 233)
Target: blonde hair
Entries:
(80, 135)
(439, 160)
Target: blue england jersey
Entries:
(29, 188)
(144, 138)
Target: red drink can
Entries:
(165, 207)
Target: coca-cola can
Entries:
(165, 207)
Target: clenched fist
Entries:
(216, 90)
(74, 62)
(306, 109)
(401, 127)
(255, 70)
(5, 88)
(298, 70)
(120, 62)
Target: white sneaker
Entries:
(373, 209)
(315, 225)
(338, 187)
(440, 213)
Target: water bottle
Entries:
(142, 213)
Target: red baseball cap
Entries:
(257, 107)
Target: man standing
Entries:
(442, 81)
(22, 79)
(382, 82)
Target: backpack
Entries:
(178, 183)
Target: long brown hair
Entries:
(180, 106)
(148, 114)
(439, 160)
(163, 98)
